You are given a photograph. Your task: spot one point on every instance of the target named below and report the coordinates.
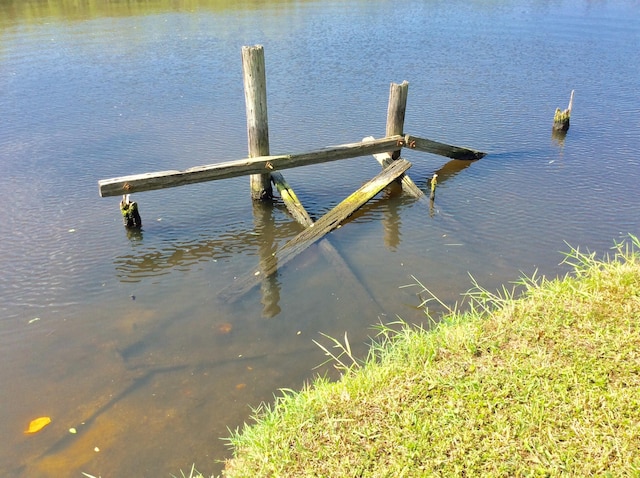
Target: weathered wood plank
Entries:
(312, 234)
(442, 149)
(291, 201)
(330, 253)
(242, 167)
(255, 96)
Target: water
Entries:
(123, 337)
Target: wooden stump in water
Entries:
(130, 214)
(561, 118)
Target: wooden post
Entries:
(395, 126)
(561, 118)
(434, 183)
(255, 95)
(396, 111)
(130, 214)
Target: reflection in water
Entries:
(72, 10)
(265, 226)
(558, 137)
(451, 169)
(133, 234)
(143, 263)
(391, 217)
(446, 172)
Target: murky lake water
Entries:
(123, 336)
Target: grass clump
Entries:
(547, 384)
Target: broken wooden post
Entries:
(434, 183)
(130, 214)
(255, 95)
(561, 118)
(311, 235)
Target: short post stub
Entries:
(561, 118)
(255, 95)
(434, 183)
(130, 214)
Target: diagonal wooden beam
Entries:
(330, 253)
(312, 234)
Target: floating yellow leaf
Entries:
(38, 424)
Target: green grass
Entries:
(547, 384)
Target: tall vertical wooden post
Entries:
(396, 110)
(255, 95)
(395, 125)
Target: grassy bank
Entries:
(544, 385)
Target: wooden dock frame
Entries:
(264, 168)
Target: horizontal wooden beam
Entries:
(262, 164)
(442, 149)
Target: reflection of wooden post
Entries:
(391, 225)
(255, 95)
(269, 287)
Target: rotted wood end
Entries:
(130, 215)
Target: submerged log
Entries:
(242, 167)
(561, 118)
(442, 149)
(130, 214)
(312, 234)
